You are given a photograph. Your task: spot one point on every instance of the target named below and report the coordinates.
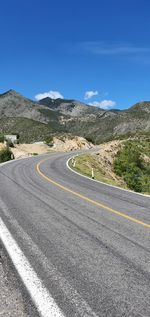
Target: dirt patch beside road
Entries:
(62, 144)
(25, 150)
(71, 144)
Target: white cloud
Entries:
(113, 49)
(104, 104)
(89, 94)
(51, 94)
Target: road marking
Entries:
(42, 299)
(73, 297)
(96, 203)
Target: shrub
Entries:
(2, 138)
(49, 140)
(130, 166)
(90, 139)
(9, 143)
(5, 155)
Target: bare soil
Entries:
(59, 144)
(105, 157)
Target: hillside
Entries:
(98, 124)
(12, 104)
(72, 108)
(29, 130)
(123, 163)
(124, 123)
(70, 116)
(141, 106)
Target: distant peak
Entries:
(10, 92)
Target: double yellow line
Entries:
(91, 201)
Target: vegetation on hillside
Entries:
(49, 140)
(29, 130)
(2, 138)
(110, 127)
(132, 163)
(53, 117)
(128, 168)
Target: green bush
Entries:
(9, 143)
(90, 139)
(5, 155)
(129, 165)
(2, 138)
(49, 140)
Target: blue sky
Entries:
(95, 51)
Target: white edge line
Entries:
(81, 306)
(40, 296)
(94, 180)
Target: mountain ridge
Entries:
(72, 116)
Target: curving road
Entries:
(88, 243)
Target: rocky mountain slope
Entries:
(99, 124)
(141, 106)
(13, 104)
(17, 113)
(72, 108)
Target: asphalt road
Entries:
(89, 243)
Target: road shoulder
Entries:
(13, 298)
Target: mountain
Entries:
(71, 116)
(143, 106)
(13, 105)
(72, 108)
(99, 124)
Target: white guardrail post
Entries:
(93, 173)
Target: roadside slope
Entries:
(123, 163)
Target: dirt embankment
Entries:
(105, 157)
(101, 163)
(25, 150)
(71, 144)
(2, 146)
(59, 144)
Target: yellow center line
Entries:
(96, 203)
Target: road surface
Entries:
(88, 244)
